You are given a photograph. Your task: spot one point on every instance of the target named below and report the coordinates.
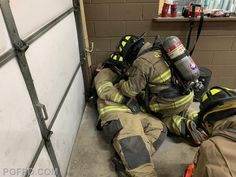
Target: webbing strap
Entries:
(198, 32)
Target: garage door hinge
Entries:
(21, 46)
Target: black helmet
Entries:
(115, 60)
(212, 99)
(129, 46)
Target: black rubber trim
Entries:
(161, 138)
(111, 129)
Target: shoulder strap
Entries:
(198, 32)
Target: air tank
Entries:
(180, 58)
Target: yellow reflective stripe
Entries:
(213, 92)
(205, 97)
(127, 37)
(163, 77)
(128, 89)
(108, 109)
(157, 54)
(121, 58)
(123, 43)
(115, 57)
(120, 49)
(192, 115)
(159, 106)
(221, 108)
(118, 98)
(121, 98)
(176, 124)
(102, 87)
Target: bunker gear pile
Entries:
(216, 156)
(149, 69)
(135, 137)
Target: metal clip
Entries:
(43, 110)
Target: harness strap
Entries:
(198, 32)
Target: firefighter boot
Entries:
(119, 167)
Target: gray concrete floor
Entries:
(91, 156)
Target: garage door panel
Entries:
(67, 122)
(30, 15)
(19, 131)
(43, 166)
(53, 59)
(5, 43)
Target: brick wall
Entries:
(108, 20)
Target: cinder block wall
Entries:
(108, 20)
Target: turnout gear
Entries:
(151, 71)
(135, 137)
(216, 156)
(129, 47)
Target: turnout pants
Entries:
(135, 138)
(174, 113)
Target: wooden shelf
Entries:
(182, 19)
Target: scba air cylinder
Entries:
(181, 59)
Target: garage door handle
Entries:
(43, 110)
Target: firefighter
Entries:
(135, 136)
(150, 72)
(216, 156)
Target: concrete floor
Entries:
(91, 155)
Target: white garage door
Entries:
(52, 76)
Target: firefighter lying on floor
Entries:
(152, 72)
(216, 156)
(135, 137)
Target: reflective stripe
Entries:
(192, 115)
(127, 37)
(221, 108)
(123, 43)
(176, 124)
(157, 54)
(128, 89)
(163, 77)
(121, 58)
(121, 98)
(115, 57)
(102, 87)
(109, 109)
(120, 49)
(118, 98)
(159, 106)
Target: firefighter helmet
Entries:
(129, 46)
(117, 60)
(217, 103)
